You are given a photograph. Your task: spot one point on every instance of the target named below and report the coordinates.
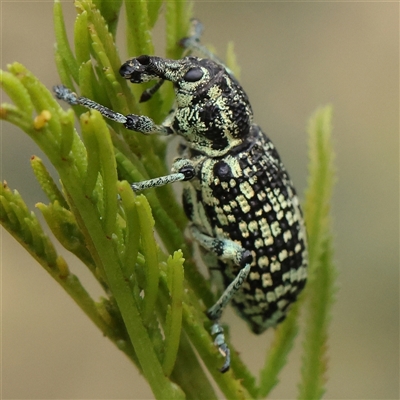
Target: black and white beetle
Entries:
(243, 208)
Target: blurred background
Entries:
(294, 57)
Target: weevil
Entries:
(242, 206)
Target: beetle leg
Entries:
(224, 249)
(218, 331)
(192, 43)
(138, 123)
(183, 170)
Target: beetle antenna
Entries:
(148, 93)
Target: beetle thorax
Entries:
(214, 114)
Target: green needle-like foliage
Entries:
(154, 301)
(322, 274)
(318, 294)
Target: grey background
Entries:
(295, 56)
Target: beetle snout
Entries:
(126, 70)
(132, 70)
(139, 69)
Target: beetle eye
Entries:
(193, 75)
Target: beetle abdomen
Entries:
(247, 197)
